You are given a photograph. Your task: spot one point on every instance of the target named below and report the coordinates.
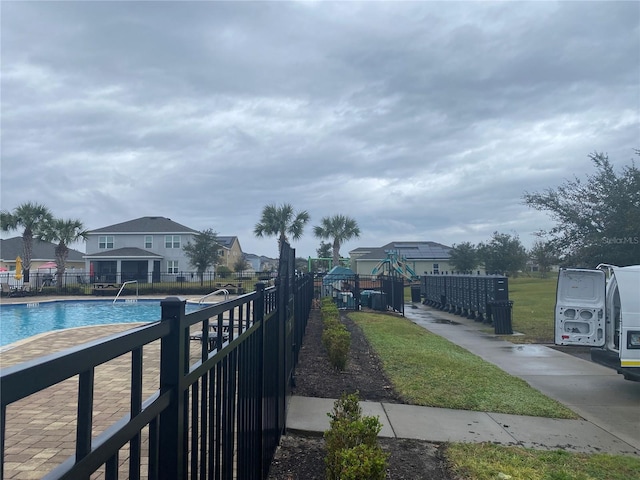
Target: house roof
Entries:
(145, 225)
(227, 242)
(10, 248)
(410, 250)
(126, 252)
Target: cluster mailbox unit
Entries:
(472, 296)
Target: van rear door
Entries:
(580, 307)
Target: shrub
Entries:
(353, 452)
(335, 337)
(362, 462)
(337, 341)
(223, 271)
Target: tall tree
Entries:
(241, 264)
(463, 257)
(597, 220)
(324, 250)
(281, 221)
(543, 254)
(503, 253)
(63, 233)
(32, 218)
(204, 252)
(339, 229)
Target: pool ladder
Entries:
(122, 287)
(220, 290)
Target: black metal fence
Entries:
(72, 283)
(218, 417)
(354, 291)
(470, 296)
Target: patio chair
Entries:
(6, 289)
(212, 337)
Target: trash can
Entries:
(379, 301)
(501, 312)
(415, 293)
(365, 298)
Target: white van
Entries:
(601, 308)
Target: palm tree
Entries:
(32, 217)
(63, 232)
(338, 228)
(281, 221)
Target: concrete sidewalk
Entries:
(309, 415)
(608, 404)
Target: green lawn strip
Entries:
(428, 370)
(533, 306)
(485, 461)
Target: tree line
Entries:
(597, 221)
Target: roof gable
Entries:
(227, 241)
(146, 225)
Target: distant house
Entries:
(422, 257)
(230, 251)
(145, 248)
(42, 253)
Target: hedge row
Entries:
(335, 336)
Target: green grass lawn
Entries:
(534, 301)
(486, 461)
(428, 370)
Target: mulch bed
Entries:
(301, 457)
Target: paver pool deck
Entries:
(40, 431)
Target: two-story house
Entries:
(230, 251)
(422, 257)
(145, 249)
(140, 249)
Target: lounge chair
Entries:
(6, 290)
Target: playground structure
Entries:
(394, 265)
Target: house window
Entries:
(436, 269)
(172, 241)
(106, 242)
(221, 253)
(172, 266)
(148, 241)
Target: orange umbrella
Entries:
(18, 275)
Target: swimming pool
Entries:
(18, 322)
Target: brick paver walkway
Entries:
(40, 431)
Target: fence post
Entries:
(172, 456)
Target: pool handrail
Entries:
(220, 290)
(122, 287)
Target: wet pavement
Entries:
(597, 393)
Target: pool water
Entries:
(18, 322)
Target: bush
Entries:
(335, 337)
(223, 271)
(337, 341)
(353, 452)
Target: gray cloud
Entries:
(422, 120)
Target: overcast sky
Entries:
(421, 120)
